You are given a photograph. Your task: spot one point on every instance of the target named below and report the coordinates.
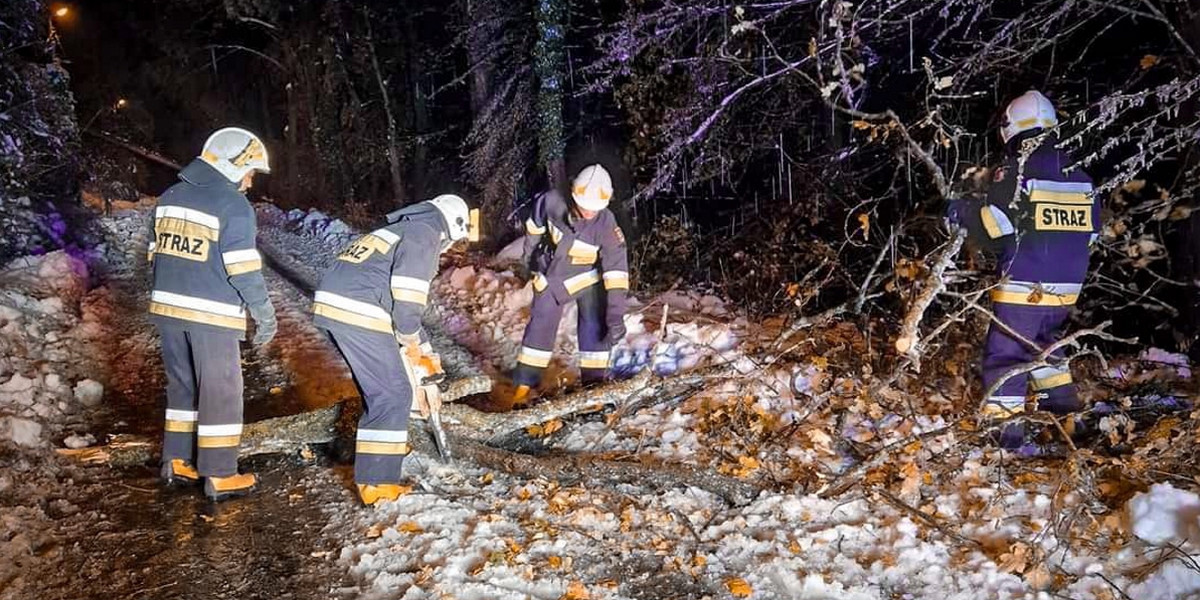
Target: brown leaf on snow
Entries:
(410, 527)
(544, 429)
(1039, 577)
(739, 587)
(576, 591)
(555, 562)
(1016, 559)
(374, 531)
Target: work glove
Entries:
(954, 213)
(616, 332)
(264, 323)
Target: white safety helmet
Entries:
(235, 152)
(1030, 110)
(461, 220)
(592, 188)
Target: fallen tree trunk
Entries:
(597, 470)
(637, 391)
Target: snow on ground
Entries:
(941, 518)
(46, 341)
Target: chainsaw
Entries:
(429, 373)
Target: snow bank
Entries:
(45, 344)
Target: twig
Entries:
(909, 342)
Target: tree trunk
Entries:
(394, 166)
(420, 110)
(548, 64)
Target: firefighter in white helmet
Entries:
(1040, 216)
(207, 276)
(370, 302)
(576, 253)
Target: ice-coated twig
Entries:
(908, 343)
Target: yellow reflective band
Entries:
(534, 358)
(345, 316)
(1033, 298)
(1059, 197)
(990, 223)
(196, 316)
(540, 283)
(616, 283)
(180, 426)
(413, 296)
(254, 151)
(1032, 121)
(593, 363)
(393, 448)
(581, 281)
(243, 267)
(532, 228)
(1051, 382)
(218, 441)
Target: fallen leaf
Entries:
(374, 531)
(576, 591)
(1148, 61)
(739, 587)
(1015, 560)
(410, 527)
(544, 429)
(555, 562)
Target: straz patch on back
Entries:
(183, 239)
(362, 248)
(1062, 217)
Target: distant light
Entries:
(62, 11)
(121, 103)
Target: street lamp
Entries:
(62, 11)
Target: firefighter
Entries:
(575, 252)
(1041, 219)
(207, 276)
(370, 303)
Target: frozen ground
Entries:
(873, 490)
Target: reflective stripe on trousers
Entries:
(204, 399)
(537, 346)
(1041, 325)
(384, 380)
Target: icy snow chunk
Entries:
(76, 441)
(22, 432)
(518, 299)
(337, 229)
(89, 392)
(1165, 515)
(19, 384)
(8, 314)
